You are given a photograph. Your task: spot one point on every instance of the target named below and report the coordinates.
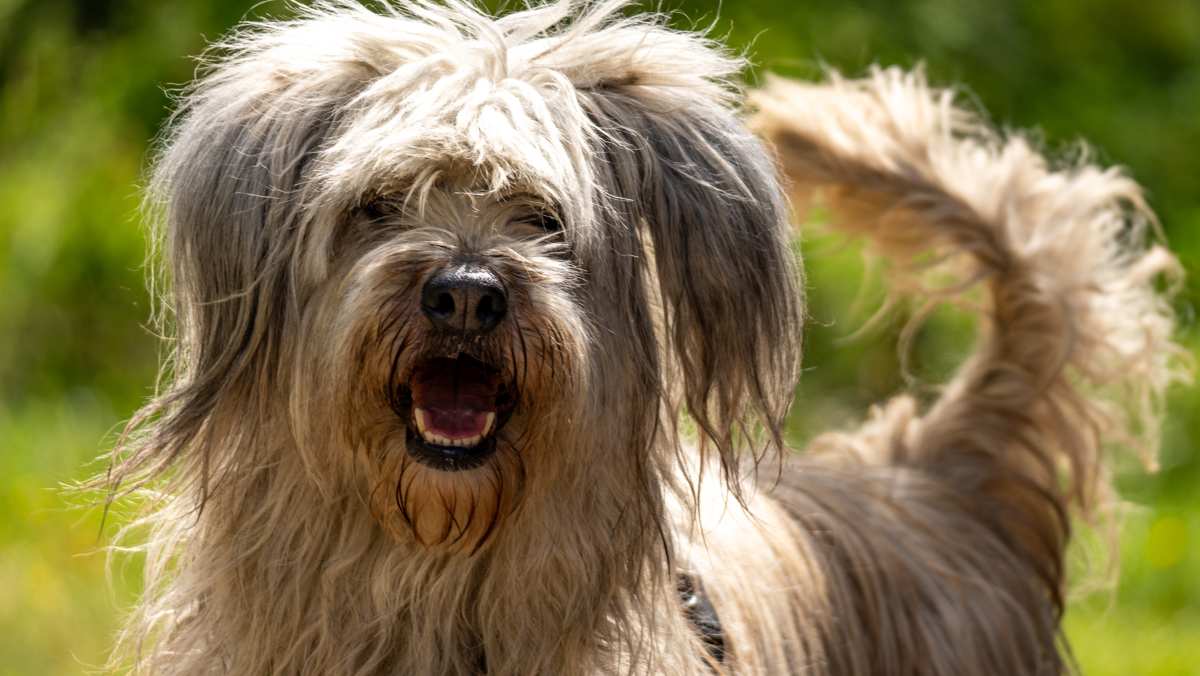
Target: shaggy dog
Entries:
(485, 330)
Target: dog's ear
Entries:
(226, 198)
(707, 195)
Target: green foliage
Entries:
(81, 97)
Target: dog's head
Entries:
(448, 261)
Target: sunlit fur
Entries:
(321, 169)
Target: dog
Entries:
(484, 331)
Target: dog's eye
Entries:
(546, 221)
(376, 208)
(549, 222)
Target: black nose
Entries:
(465, 297)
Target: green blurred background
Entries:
(81, 96)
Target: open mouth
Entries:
(457, 406)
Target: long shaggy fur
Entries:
(320, 170)
(941, 533)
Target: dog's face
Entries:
(453, 346)
(464, 261)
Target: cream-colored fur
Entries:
(321, 169)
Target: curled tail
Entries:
(1076, 348)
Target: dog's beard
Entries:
(451, 458)
(441, 427)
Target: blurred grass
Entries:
(80, 99)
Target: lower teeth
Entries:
(421, 422)
(457, 443)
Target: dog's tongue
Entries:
(454, 399)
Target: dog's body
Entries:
(447, 287)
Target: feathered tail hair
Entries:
(1077, 348)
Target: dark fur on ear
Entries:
(226, 196)
(707, 195)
